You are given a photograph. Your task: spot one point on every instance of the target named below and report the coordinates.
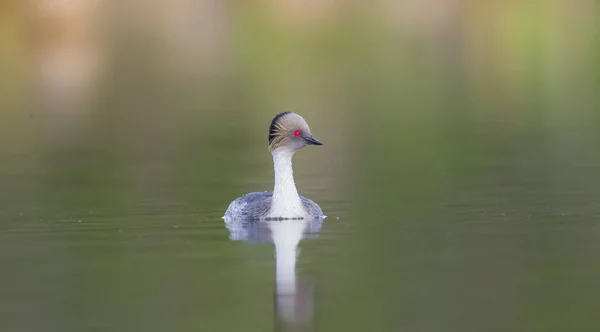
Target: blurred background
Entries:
(459, 172)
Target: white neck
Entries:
(286, 201)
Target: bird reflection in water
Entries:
(293, 298)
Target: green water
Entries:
(459, 176)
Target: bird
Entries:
(288, 133)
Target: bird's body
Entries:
(252, 205)
(287, 134)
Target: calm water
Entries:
(499, 235)
(460, 179)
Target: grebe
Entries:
(287, 134)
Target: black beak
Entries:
(313, 141)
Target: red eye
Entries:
(297, 133)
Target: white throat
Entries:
(286, 202)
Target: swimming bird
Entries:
(288, 133)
